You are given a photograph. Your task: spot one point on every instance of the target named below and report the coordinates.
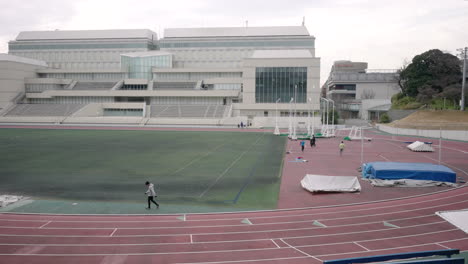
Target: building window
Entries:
(273, 83)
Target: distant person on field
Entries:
(312, 141)
(302, 145)
(342, 146)
(242, 124)
(151, 194)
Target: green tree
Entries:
(430, 73)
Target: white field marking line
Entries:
(191, 239)
(396, 145)
(397, 237)
(229, 167)
(282, 240)
(442, 245)
(45, 224)
(380, 155)
(261, 217)
(184, 235)
(201, 234)
(418, 245)
(217, 242)
(275, 243)
(237, 232)
(243, 225)
(113, 232)
(243, 261)
(198, 158)
(447, 164)
(362, 246)
(462, 151)
(152, 253)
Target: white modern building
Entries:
(206, 76)
(359, 92)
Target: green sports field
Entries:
(226, 169)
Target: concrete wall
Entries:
(446, 134)
(369, 103)
(383, 90)
(12, 79)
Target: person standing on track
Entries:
(151, 194)
(342, 146)
(302, 145)
(312, 141)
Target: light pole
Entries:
(295, 113)
(277, 132)
(323, 115)
(462, 108)
(290, 118)
(309, 100)
(333, 111)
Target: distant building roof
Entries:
(13, 58)
(86, 34)
(281, 54)
(235, 32)
(146, 54)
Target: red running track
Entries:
(289, 236)
(393, 224)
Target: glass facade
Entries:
(141, 67)
(273, 83)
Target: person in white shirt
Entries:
(151, 194)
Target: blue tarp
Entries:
(414, 171)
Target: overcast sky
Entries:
(383, 33)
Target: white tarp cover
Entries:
(420, 146)
(409, 183)
(457, 218)
(9, 199)
(321, 183)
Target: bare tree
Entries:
(368, 94)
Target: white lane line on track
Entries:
(254, 240)
(362, 246)
(243, 261)
(45, 224)
(239, 232)
(314, 236)
(275, 243)
(229, 167)
(442, 246)
(447, 164)
(113, 232)
(243, 225)
(146, 253)
(380, 155)
(302, 221)
(337, 254)
(274, 216)
(300, 250)
(191, 239)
